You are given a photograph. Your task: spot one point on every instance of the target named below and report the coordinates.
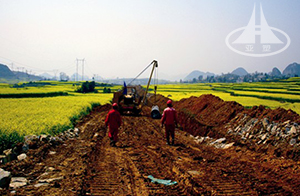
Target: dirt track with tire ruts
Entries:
(88, 165)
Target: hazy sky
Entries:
(118, 38)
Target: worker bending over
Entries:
(114, 121)
(170, 120)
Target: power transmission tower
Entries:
(76, 76)
(82, 64)
(55, 72)
(82, 69)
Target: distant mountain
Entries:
(275, 72)
(6, 73)
(292, 70)
(170, 77)
(196, 74)
(22, 76)
(46, 75)
(8, 76)
(239, 71)
(85, 78)
(139, 81)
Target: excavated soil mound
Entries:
(159, 100)
(278, 115)
(200, 115)
(260, 129)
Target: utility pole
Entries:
(12, 66)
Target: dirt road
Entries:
(198, 169)
(88, 165)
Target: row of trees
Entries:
(232, 78)
(88, 87)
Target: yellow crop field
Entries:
(42, 115)
(23, 116)
(37, 115)
(280, 95)
(7, 89)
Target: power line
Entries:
(88, 68)
(22, 66)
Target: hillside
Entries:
(239, 71)
(21, 76)
(6, 73)
(292, 70)
(275, 72)
(196, 74)
(8, 76)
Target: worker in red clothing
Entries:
(170, 120)
(114, 121)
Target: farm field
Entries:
(89, 166)
(45, 87)
(37, 115)
(283, 94)
(54, 114)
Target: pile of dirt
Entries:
(259, 128)
(278, 115)
(159, 100)
(201, 115)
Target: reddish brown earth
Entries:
(88, 165)
(202, 115)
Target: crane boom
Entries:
(155, 64)
(133, 99)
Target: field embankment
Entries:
(260, 129)
(31, 95)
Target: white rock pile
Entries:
(262, 131)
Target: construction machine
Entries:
(132, 98)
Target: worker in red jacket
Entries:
(170, 120)
(114, 121)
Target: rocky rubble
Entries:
(5, 178)
(33, 142)
(18, 153)
(220, 143)
(264, 132)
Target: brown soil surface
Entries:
(202, 115)
(88, 165)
